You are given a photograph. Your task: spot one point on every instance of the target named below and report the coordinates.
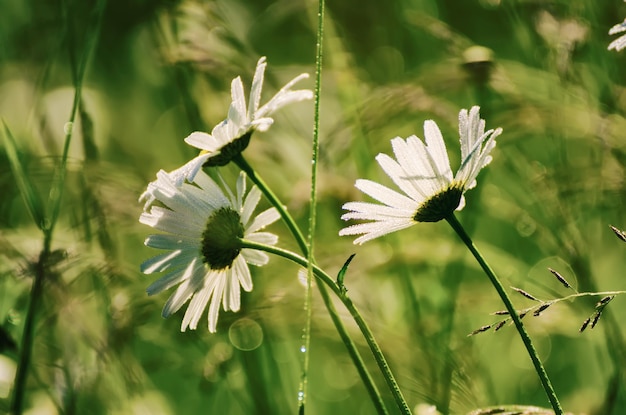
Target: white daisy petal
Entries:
(421, 169)
(263, 219)
(196, 243)
(216, 300)
(265, 238)
(619, 43)
(240, 120)
(243, 272)
(237, 111)
(253, 257)
(372, 230)
(250, 204)
(202, 141)
(257, 86)
(197, 305)
(173, 278)
(385, 195)
(437, 149)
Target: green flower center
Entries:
(220, 239)
(440, 205)
(230, 150)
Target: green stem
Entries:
(354, 312)
(543, 376)
(308, 298)
(28, 335)
(341, 329)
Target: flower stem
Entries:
(354, 312)
(541, 372)
(300, 240)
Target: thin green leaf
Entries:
(25, 186)
(342, 274)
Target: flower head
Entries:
(619, 43)
(422, 171)
(231, 136)
(202, 226)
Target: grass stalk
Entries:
(532, 352)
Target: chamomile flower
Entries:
(187, 172)
(202, 226)
(231, 136)
(619, 43)
(422, 171)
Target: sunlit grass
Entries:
(162, 70)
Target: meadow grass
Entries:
(135, 78)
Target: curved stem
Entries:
(532, 352)
(341, 329)
(354, 312)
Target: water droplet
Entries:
(303, 349)
(301, 396)
(67, 128)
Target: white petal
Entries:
(203, 141)
(196, 308)
(372, 230)
(385, 195)
(241, 190)
(254, 257)
(262, 124)
(240, 268)
(175, 277)
(257, 86)
(214, 306)
(417, 185)
(191, 284)
(252, 199)
(437, 149)
(172, 222)
(285, 96)
(265, 238)
(231, 300)
(618, 28)
(262, 220)
(375, 211)
(237, 111)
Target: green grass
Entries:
(160, 70)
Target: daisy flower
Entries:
(202, 227)
(231, 136)
(619, 43)
(187, 172)
(422, 171)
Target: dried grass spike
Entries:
(620, 234)
(585, 324)
(541, 308)
(500, 313)
(526, 294)
(499, 325)
(596, 317)
(560, 278)
(479, 330)
(604, 301)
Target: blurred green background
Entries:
(162, 69)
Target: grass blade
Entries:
(27, 190)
